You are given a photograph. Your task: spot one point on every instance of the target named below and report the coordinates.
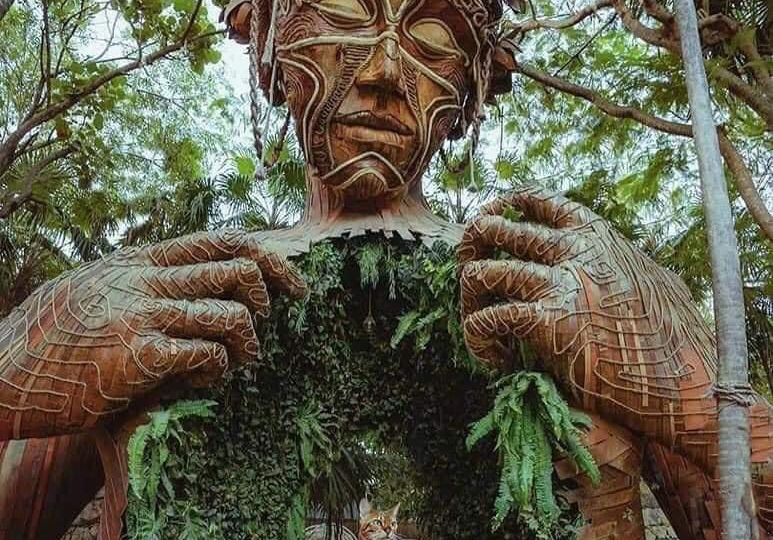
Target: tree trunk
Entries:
(733, 378)
(5, 5)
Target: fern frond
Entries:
(136, 459)
(406, 324)
(532, 421)
(479, 430)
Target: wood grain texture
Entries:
(96, 342)
(613, 508)
(621, 333)
(44, 484)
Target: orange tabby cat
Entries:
(377, 524)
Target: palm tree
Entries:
(734, 445)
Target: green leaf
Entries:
(245, 166)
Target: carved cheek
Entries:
(438, 106)
(307, 76)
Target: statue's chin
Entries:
(367, 183)
(368, 187)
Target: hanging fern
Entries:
(531, 420)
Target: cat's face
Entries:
(377, 524)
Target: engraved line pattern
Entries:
(84, 345)
(620, 332)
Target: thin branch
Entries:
(47, 50)
(734, 161)
(192, 21)
(761, 104)
(70, 35)
(109, 42)
(745, 184)
(560, 24)
(587, 43)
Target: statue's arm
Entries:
(87, 344)
(620, 333)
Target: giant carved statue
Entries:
(375, 87)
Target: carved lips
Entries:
(375, 87)
(375, 120)
(377, 131)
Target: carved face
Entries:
(375, 86)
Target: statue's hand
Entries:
(600, 314)
(86, 344)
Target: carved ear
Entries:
(237, 15)
(365, 508)
(503, 64)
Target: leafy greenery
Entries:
(151, 458)
(337, 407)
(531, 420)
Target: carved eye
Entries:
(435, 38)
(350, 10)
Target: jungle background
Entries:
(125, 122)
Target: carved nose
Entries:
(384, 71)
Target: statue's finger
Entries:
(485, 282)
(527, 241)
(488, 332)
(225, 322)
(279, 274)
(238, 279)
(536, 204)
(224, 245)
(195, 248)
(163, 356)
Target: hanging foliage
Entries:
(531, 420)
(366, 384)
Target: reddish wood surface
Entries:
(44, 484)
(620, 333)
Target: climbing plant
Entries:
(365, 384)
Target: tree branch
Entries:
(745, 184)
(761, 104)
(559, 24)
(733, 160)
(8, 147)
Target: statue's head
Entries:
(374, 86)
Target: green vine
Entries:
(364, 385)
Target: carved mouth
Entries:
(375, 121)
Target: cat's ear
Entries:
(393, 512)
(365, 507)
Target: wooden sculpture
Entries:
(375, 87)
(620, 332)
(87, 351)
